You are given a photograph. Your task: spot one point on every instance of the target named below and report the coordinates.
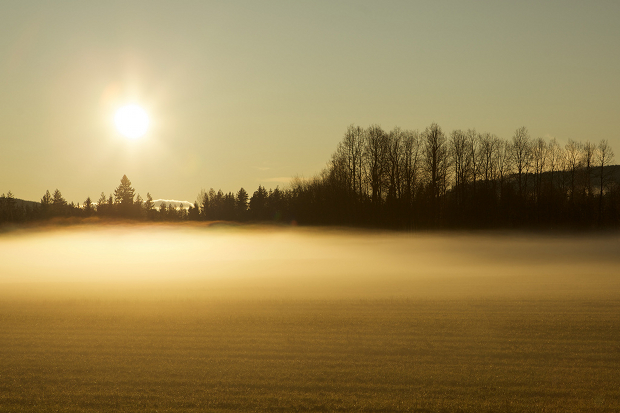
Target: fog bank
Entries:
(175, 261)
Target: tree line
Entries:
(464, 179)
(125, 203)
(400, 179)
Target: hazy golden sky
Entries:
(249, 93)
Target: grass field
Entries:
(517, 344)
(378, 355)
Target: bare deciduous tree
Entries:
(473, 153)
(503, 161)
(460, 163)
(487, 149)
(394, 155)
(375, 161)
(587, 153)
(436, 159)
(554, 157)
(522, 155)
(604, 157)
(573, 162)
(539, 159)
(410, 165)
(351, 149)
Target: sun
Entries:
(131, 121)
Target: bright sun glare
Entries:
(131, 121)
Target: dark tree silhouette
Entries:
(46, 205)
(193, 213)
(242, 204)
(138, 207)
(88, 207)
(102, 205)
(149, 207)
(124, 198)
(522, 156)
(573, 163)
(163, 212)
(375, 158)
(604, 157)
(436, 166)
(59, 204)
(258, 204)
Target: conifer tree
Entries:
(242, 201)
(88, 207)
(102, 204)
(123, 197)
(59, 204)
(148, 206)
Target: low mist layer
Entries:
(144, 261)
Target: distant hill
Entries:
(612, 173)
(28, 204)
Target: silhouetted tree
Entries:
(275, 204)
(473, 152)
(573, 160)
(503, 161)
(351, 151)
(375, 160)
(88, 207)
(203, 203)
(410, 170)
(522, 156)
(588, 151)
(149, 207)
(110, 206)
(59, 204)
(436, 167)
(163, 211)
(461, 165)
(46, 204)
(554, 156)
(604, 157)
(394, 156)
(123, 197)
(539, 160)
(258, 204)
(102, 205)
(488, 146)
(177, 214)
(193, 213)
(241, 204)
(138, 207)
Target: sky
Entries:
(246, 93)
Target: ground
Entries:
(196, 319)
(350, 355)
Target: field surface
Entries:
(311, 356)
(447, 340)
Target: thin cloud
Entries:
(158, 202)
(285, 179)
(174, 202)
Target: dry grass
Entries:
(469, 355)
